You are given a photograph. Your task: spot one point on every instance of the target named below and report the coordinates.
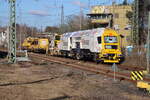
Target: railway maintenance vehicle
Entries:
(101, 45)
(53, 47)
(36, 44)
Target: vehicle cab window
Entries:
(99, 40)
(110, 39)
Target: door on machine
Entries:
(78, 45)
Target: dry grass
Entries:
(136, 58)
(67, 84)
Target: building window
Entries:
(116, 27)
(116, 15)
(127, 27)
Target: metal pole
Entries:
(137, 22)
(114, 74)
(81, 17)
(62, 18)
(12, 32)
(20, 28)
(135, 25)
(89, 3)
(113, 12)
(148, 45)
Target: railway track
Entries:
(124, 67)
(98, 70)
(92, 67)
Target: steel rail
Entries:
(104, 71)
(124, 67)
(107, 72)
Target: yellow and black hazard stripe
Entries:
(137, 75)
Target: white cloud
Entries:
(38, 13)
(78, 3)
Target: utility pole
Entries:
(113, 11)
(89, 3)
(81, 17)
(62, 18)
(12, 33)
(20, 28)
(135, 23)
(148, 45)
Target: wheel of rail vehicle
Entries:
(95, 58)
(78, 56)
(72, 55)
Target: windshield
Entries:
(57, 37)
(44, 42)
(110, 39)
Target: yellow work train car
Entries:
(36, 44)
(53, 50)
(111, 49)
(27, 43)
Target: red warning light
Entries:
(110, 34)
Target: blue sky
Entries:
(41, 13)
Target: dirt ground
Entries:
(50, 81)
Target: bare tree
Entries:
(73, 23)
